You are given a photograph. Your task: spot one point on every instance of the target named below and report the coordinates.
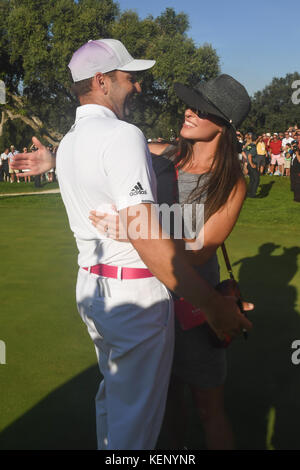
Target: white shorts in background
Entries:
(132, 326)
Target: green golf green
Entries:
(50, 377)
(22, 187)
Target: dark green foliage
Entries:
(158, 111)
(16, 133)
(272, 108)
(37, 40)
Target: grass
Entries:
(22, 187)
(50, 377)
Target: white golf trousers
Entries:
(131, 323)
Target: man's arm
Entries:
(250, 157)
(37, 162)
(167, 261)
(216, 229)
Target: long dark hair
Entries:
(224, 173)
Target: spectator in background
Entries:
(275, 146)
(288, 154)
(288, 139)
(249, 152)
(266, 138)
(4, 170)
(12, 172)
(295, 176)
(240, 140)
(243, 160)
(260, 154)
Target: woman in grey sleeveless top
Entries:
(209, 172)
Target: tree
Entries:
(158, 110)
(272, 108)
(37, 40)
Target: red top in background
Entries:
(275, 146)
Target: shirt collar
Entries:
(92, 110)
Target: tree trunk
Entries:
(12, 112)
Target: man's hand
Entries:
(167, 261)
(37, 162)
(227, 319)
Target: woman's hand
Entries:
(108, 225)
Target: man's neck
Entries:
(101, 101)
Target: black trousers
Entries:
(254, 180)
(4, 171)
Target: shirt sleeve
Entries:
(128, 167)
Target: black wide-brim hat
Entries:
(222, 96)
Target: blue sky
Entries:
(255, 40)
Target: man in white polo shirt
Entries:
(128, 311)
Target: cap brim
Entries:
(137, 65)
(195, 99)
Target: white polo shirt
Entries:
(287, 140)
(103, 161)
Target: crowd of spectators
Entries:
(270, 154)
(273, 153)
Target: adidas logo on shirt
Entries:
(138, 189)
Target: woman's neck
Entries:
(202, 157)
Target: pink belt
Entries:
(117, 272)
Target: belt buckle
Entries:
(119, 273)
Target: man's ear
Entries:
(100, 81)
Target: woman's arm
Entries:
(219, 225)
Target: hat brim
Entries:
(137, 65)
(195, 99)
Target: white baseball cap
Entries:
(104, 55)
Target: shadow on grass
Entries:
(262, 389)
(265, 189)
(64, 420)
